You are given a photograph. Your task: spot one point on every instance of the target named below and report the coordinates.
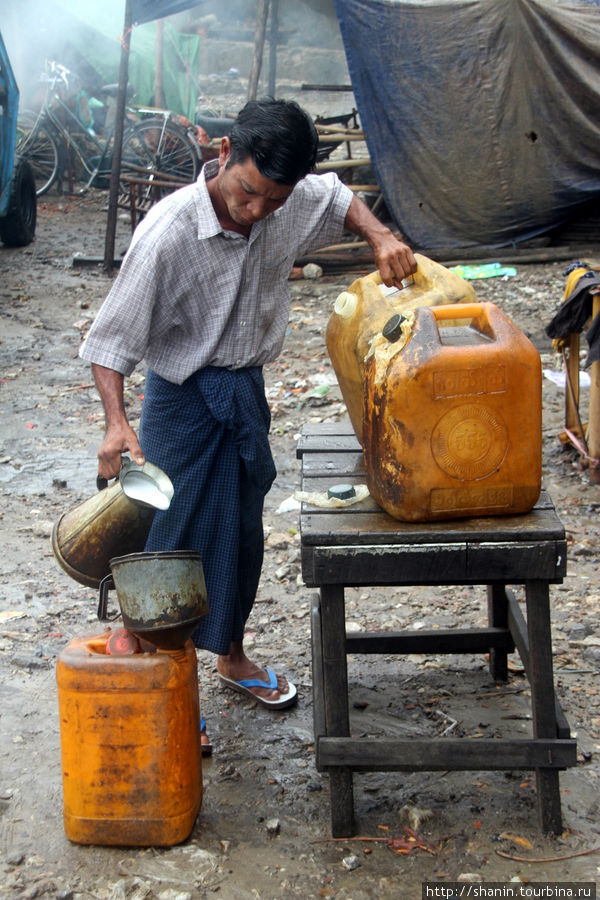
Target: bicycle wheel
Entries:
(160, 147)
(37, 144)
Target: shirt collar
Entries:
(208, 223)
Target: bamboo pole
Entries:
(159, 93)
(572, 420)
(339, 137)
(330, 164)
(321, 126)
(113, 191)
(262, 12)
(594, 410)
(273, 38)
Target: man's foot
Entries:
(257, 687)
(240, 674)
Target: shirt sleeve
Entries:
(324, 200)
(119, 336)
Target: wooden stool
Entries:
(361, 545)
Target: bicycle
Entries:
(62, 135)
(161, 153)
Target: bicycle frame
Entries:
(53, 107)
(91, 170)
(156, 138)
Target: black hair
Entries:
(279, 137)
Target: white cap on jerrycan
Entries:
(345, 304)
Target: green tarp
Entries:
(86, 37)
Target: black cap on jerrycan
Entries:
(393, 328)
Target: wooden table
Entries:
(361, 545)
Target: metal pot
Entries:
(116, 520)
(162, 595)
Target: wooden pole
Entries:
(273, 36)
(159, 93)
(572, 420)
(594, 410)
(262, 12)
(115, 172)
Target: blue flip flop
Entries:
(206, 749)
(243, 687)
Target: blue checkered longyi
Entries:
(210, 436)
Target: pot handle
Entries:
(104, 587)
(102, 483)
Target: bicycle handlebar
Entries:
(55, 72)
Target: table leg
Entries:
(317, 677)
(498, 618)
(335, 696)
(541, 679)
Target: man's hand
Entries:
(118, 440)
(394, 259)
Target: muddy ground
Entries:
(263, 828)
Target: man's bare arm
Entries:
(393, 258)
(120, 436)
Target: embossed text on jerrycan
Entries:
(361, 312)
(452, 418)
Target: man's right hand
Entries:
(117, 441)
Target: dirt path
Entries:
(263, 828)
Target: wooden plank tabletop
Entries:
(331, 454)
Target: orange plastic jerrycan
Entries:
(130, 744)
(360, 313)
(452, 415)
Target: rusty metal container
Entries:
(112, 522)
(162, 595)
(130, 744)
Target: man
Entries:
(202, 295)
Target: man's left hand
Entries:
(394, 259)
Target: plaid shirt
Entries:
(190, 294)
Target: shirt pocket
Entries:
(275, 270)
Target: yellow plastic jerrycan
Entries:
(453, 416)
(361, 312)
(130, 744)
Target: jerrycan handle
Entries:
(105, 585)
(458, 311)
(479, 313)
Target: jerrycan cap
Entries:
(393, 328)
(341, 491)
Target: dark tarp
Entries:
(481, 117)
(148, 10)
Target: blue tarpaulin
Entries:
(481, 116)
(148, 10)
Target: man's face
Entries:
(247, 195)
